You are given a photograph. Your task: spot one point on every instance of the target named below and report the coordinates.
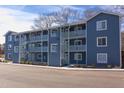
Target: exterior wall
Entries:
(88, 47)
(16, 54)
(6, 46)
(113, 40)
(54, 57)
(73, 61)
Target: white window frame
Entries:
(8, 55)
(10, 38)
(99, 23)
(102, 54)
(15, 37)
(9, 47)
(75, 41)
(16, 48)
(52, 47)
(76, 56)
(101, 38)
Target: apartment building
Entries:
(93, 42)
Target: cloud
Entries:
(15, 20)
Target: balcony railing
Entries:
(39, 38)
(76, 48)
(38, 49)
(73, 34)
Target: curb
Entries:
(66, 68)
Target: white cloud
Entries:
(14, 20)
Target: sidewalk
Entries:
(67, 68)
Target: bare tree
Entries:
(43, 21)
(64, 16)
(67, 15)
(89, 13)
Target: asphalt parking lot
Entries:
(20, 76)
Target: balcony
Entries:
(39, 38)
(74, 34)
(38, 49)
(76, 48)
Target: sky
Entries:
(20, 18)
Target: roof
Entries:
(74, 23)
(111, 13)
(10, 32)
(54, 27)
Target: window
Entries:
(66, 42)
(39, 56)
(53, 47)
(101, 41)
(16, 49)
(38, 44)
(9, 55)
(101, 57)
(53, 33)
(78, 56)
(9, 38)
(78, 42)
(9, 47)
(101, 25)
(16, 38)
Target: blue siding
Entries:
(54, 57)
(6, 47)
(89, 57)
(16, 55)
(113, 37)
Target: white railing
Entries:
(38, 49)
(39, 38)
(73, 34)
(76, 48)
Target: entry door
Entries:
(66, 59)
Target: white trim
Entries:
(86, 43)
(76, 56)
(68, 44)
(101, 38)
(120, 42)
(8, 55)
(15, 38)
(16, 49)
(10, 38)
(115, 14)
(48, 53)
(8, 47)
(99, 23)
(19, 48)
(51, 47)
(60, 46)
(103, 54)
(77, 40)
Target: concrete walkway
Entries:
(69, 68)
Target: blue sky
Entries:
(20, 17)
(44, 8)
